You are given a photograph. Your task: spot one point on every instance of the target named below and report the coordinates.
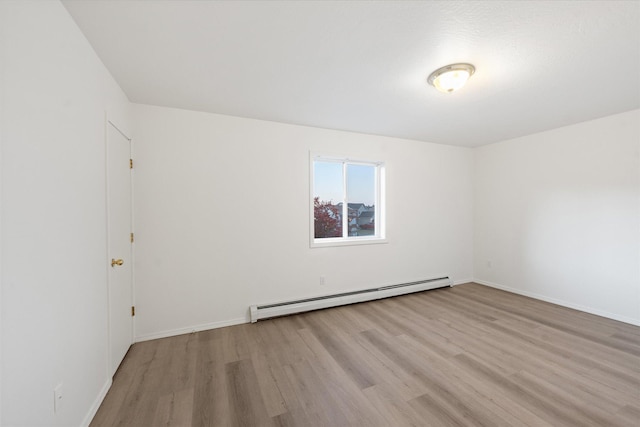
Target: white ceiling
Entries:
(362, 66)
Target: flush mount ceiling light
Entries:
(451, 77)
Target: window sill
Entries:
(328, 243)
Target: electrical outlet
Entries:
(322, 281)
(58, 398)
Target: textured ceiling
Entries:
(362, 66)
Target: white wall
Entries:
(54, 283)
(222, 217)
(2, 61)
(558, 216)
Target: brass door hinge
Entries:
(131, 237)
(133, 311)
(130, 163)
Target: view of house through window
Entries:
(346, 200)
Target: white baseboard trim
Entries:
(96, 403)
(221, 324)
(190, 329)
(578, 307)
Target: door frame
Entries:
(111, 122)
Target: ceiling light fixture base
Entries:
(451, 77)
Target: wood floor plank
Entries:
(272, 397)
(630, 413)
(530, 399)
(338, 349)
(139, 405)
(210, 403)
(175, 409)
(277, 375)
(393, 409)
(245, 400)
(446, 394)
(320, 406)
(565, 398)
(467, 387)
(463, 356)
(126, 378)
(598, 369)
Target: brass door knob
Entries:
(115, 262)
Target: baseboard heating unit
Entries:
(298, 306)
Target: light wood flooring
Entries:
(463, 356)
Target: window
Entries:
(347, 202)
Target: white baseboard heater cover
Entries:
(298, 306)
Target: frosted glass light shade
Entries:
(451, 77)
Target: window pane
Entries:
(327, 199)
(361, 196)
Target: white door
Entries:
(119, 245)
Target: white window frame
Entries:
(380, 209)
